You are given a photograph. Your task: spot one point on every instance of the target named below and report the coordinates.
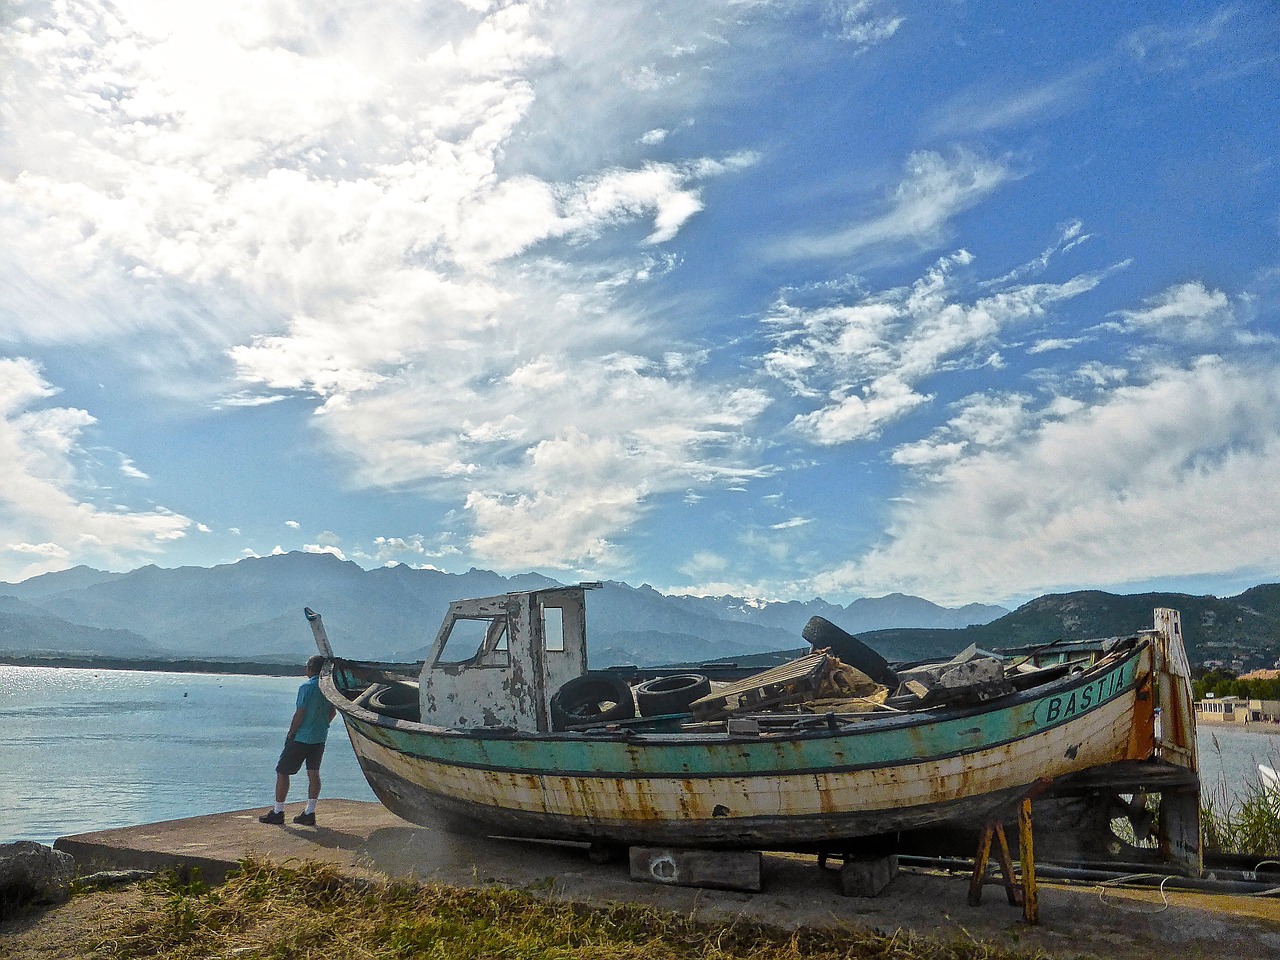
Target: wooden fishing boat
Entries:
(503, 730)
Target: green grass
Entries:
(269, 911)
(1250, 825)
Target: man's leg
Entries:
(313, 789)
(282, 789)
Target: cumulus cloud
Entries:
(1145, 481)
(861, 361)
(49, 508)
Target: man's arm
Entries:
(298, 716)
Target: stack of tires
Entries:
(604, 698)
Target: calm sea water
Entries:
(84, 750)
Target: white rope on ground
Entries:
(1129, 878)
(1274, 891)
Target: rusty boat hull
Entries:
(482, 745)
(788, 789)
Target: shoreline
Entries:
(1266, 729)
(155, 665)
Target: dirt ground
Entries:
(1080, 924)
(67, 930)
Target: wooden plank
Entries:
(713, 869)
(1030, 901)
(773, 687)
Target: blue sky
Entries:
(974, 301)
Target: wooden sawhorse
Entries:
(1020, 894)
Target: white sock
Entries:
(278, 808)
(311, 806)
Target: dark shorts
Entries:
(295, 752)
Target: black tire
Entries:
(594, 698)
(667, 695)
(823, 634)
(397, 700)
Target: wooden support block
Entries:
(714, 869)
(867, 876)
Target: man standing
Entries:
(304, 742)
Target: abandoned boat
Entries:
(503, 730)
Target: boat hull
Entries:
(797, 789)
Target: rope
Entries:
(1102, 893)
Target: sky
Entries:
(772, 298)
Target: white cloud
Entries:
(50, 508)
(933, 191)
(323, 548)
(1188, 312)
(702, 564)
(792, 523)
(293, 524)
(1147, 481)
(865, 23)
(1166, 48)
(863, 360)
(130, 470)
(1055, 343)
(982, 109)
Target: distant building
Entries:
(1237, 710)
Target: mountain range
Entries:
(1236, 633)
(251, 610)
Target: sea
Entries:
(86, 750)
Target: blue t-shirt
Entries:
(315, 721)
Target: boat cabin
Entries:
(497, 660)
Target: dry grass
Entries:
(270, 911)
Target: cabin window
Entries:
(553, 628)
(480, 641)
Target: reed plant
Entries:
(1248, 823)
(313, 912)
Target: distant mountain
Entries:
(26, 629)
(1239, 632)
(868, 613)
(253, 609)
(63, 581)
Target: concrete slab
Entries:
(364, 838)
